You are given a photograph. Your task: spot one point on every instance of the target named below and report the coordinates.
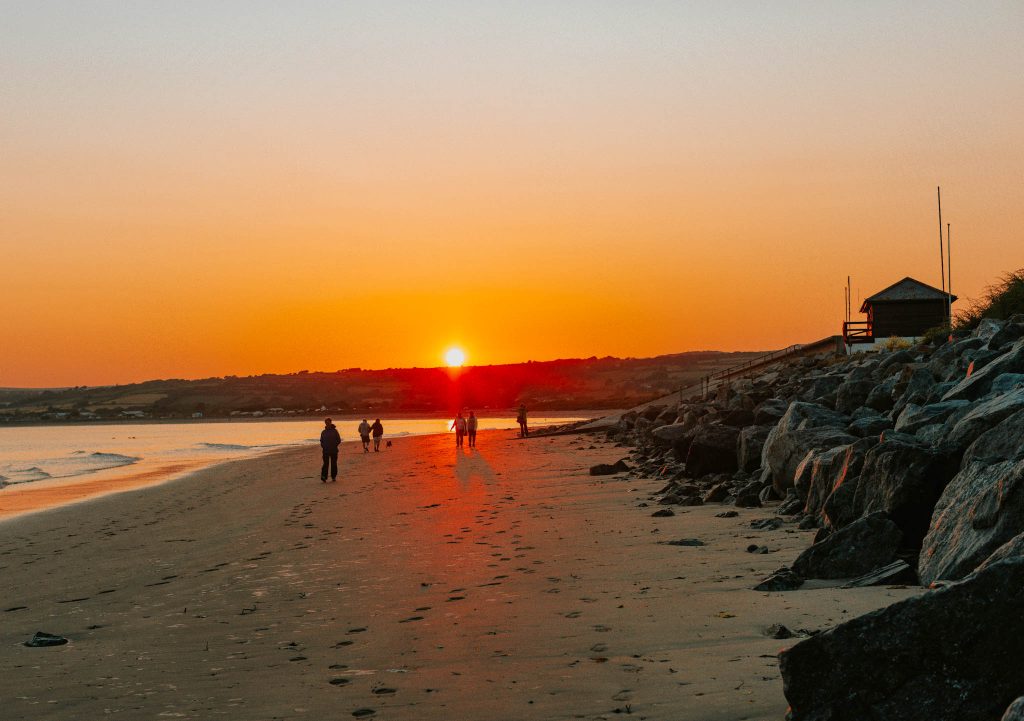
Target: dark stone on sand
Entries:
(949, 654)
(807, 523)
(608, 469)
(44, 640)
(717, 493)
(685, 542)
(864, 545)
(767, 495)
(663, 513)
(727, 514)
(897, 572)
(782, 580)
(777, 630)
(791, 504)
(748, 500)
(766, 524)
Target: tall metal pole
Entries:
(942, 262)
(949, 271)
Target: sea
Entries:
(65, 453)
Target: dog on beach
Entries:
(387, 444)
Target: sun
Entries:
(454, 357)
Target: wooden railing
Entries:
(858, 331)
(706, 381)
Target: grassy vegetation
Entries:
(1000, 300)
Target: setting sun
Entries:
(454, 357)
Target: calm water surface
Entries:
(61, 454)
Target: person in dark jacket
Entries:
(378, 431)
(330, 439)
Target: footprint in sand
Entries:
(339, 682)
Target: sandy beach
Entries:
(503, 583)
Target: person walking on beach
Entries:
(521, 420)
(378, 433)
(364, 435)
(471, 424)
(330, 439)
(459, 424)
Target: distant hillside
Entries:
(550, 385)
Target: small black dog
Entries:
(388, 444)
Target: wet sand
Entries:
(503, 583)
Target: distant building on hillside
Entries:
(906, 309)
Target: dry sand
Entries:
(426, 584)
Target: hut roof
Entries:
(904, 290)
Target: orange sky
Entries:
(239, 188)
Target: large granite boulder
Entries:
(853, 393)
(831, 469)
(1003, 442)
(770, 411)
(1011, 549)
(713, 450)
(981, 509)
(914, 386)
(1015, 711)
(749, 446)
(863, 546)
(1009, 333)
(982, 416)
(904, 478)
(915, 417)
(819, 386)
(978, 383)
(869, 426)
(880, 398)
(891, 361)
(805, 427)
(668, 435)
(951, 654)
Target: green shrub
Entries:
(936, 336)
(999, 301)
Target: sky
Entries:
(201, 189)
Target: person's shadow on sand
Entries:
(469, 466)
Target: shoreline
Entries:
(91, 422)
(34, 496)
(426, 584)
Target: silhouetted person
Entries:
(521, 420)
(330, 439)
(364, 435)
(471, 424)
(378, 431)
(459, 424)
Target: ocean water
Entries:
(62, 454)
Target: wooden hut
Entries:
(905, 309)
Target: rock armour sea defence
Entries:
(910, 464)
